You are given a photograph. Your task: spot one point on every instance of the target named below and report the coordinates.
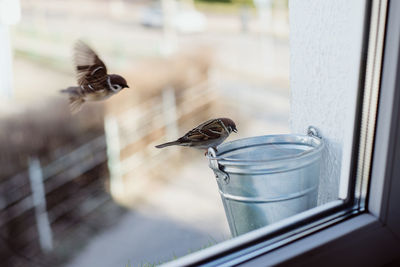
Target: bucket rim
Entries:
(232, 161)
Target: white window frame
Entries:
(367, 238)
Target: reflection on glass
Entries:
(90, 189)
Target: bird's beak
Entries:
(126, 86)
(235, 130)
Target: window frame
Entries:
(364, 231)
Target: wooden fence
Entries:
(138, 127)
(127, 145)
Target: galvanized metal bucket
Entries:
(265, 179)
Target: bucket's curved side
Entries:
(254, 196)
(254, 203)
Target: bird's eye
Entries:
(116, 87)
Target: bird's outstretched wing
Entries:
(91, 70)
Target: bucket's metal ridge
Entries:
(264, 179)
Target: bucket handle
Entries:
(313, 131)
(220, 174)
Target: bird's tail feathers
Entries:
(71, 90)
(75, 98)
(173, 143)
(75, 103)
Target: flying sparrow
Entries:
(93, 81)
(208, 134)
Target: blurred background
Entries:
(90, 189)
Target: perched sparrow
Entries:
(208, 134)
(93, 80)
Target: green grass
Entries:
(144, 264)
(222, 7)
(37, 33)
(233, 6)
(51, 62)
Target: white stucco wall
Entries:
(325, 47)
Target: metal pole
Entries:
(10, 13)
(39, 203)
(169, 12)
(5, 63)
(170, 113)
(113, 154)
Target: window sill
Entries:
(359, 241)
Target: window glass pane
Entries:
(88, 89)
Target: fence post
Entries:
(39, 203)
(169, 43)
(113, 155)
(10, 13)
(170, 113)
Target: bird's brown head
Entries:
(229, 124)
(118, 81)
